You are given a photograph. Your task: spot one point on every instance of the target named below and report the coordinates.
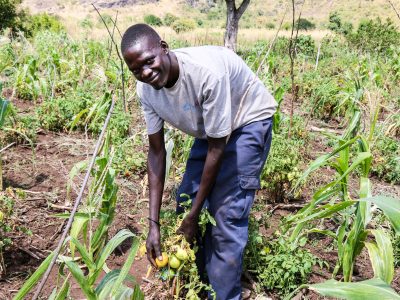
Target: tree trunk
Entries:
(233, 15)
(232, 26)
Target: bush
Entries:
(305, 24)
(183, 25)
(375, 36)
(152, 20)
(169, 19)
(11, 16)
(270, 25)
(305, 44)
(336, 24)
(8, 13)
(283, 166)
(44, 22)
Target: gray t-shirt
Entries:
(213, 83)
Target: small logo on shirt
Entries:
(188, 107)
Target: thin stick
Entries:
(111, 43)
(77, 201)
(394, 8)
(6, 147)
(316, 62)
(119, 56)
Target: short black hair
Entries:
(136, 32)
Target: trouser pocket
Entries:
(239, 207)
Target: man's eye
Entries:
(149, 61)
(135, 71)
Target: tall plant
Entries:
(335, 198)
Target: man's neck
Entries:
(173, 71)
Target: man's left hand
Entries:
(189, 227)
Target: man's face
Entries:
(149, 62)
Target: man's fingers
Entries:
(157, 249)
(150, 258)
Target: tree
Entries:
(233, 15)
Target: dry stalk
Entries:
(119, 55)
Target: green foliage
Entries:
(336, 24)
(270, 25)
(130, 157)
(9, 14)
(42, 22)
(152, 20)
(9, 225)
(396, 249)
(169, 19)
(282, 169)
(304, 24)
(183, 25)
(305, 44)
(375, 36)
(386, 163)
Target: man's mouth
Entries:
(153, 78)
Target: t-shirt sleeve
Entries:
(217, 108)
(153, 121)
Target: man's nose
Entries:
(146, 73)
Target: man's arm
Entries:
(216, 147)
(156, 176)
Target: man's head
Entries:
(147, 56)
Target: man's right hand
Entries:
(153, 245)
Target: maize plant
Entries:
(335, 198)
(88, 248)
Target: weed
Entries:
(183, 25)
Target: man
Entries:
(210, 93)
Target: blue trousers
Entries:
(229, 202)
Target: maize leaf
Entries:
(371, 289)
(390, 207)
(81, 280)
(30, 283)
(381, 256)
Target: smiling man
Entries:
(207, 92)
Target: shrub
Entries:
(152, 20)
(375, 36)
(11, 16)
(283, 166)
(44, 22)
(287, 26)
(183, 25)
(86, 23)
(8, 13)
(336, 24)
(305, 44)
(270, 25)
(305, 24)
(169, 19)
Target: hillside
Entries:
(259, 21)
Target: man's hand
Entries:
(189, 227)
(153, 245)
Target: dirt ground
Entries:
(42, 173)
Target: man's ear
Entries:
(164, 46)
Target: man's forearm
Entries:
(210, 173)
(156, 177)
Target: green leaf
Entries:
(86, 257)
(390, 207)
(4, 105)
(81, 280)
(109, 248)
(30, 283)
(127, 266)
(381, 256)
(371, 289)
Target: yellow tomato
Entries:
(181, 254)
(163, 262)
(1, 216)
(142, 250)
(174, 262)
